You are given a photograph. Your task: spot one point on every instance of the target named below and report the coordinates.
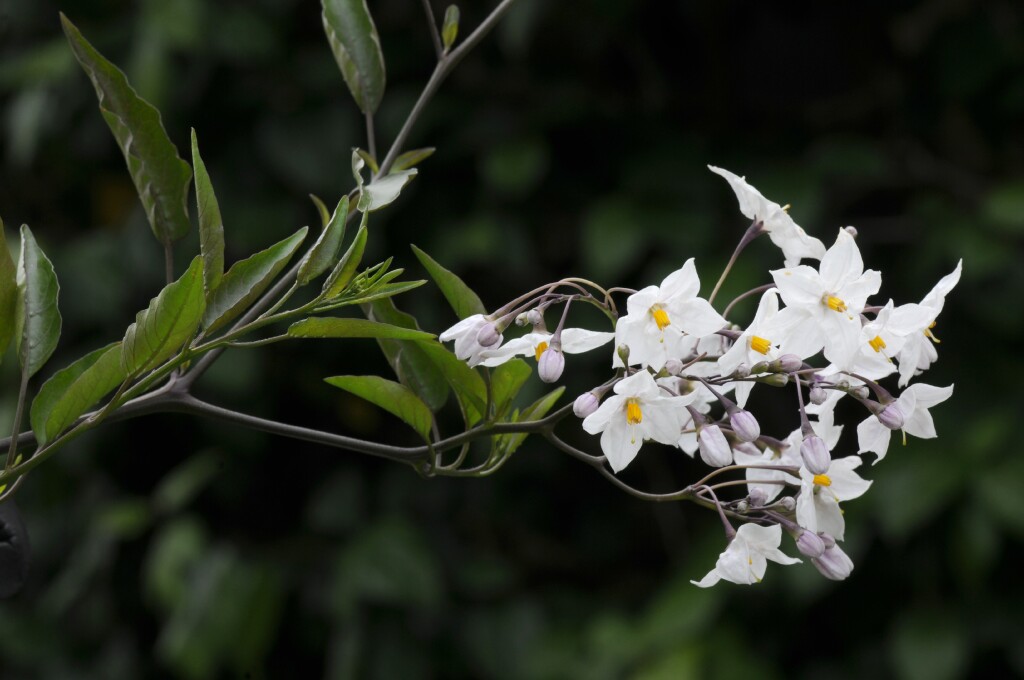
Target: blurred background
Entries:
(573, 141)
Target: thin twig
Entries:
(435, 34)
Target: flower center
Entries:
(660, 317)
(634, 416)
(539, 349)
(877, 343)
(835, 304)
(931, 336)
(822, 480)
(760, 345)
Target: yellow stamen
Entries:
(931, 336)
(660, 318)
(539, 349)
(786, 208)
(877, 343)
(835, 304)
(634, 416)
(822, 480)
(760, 345)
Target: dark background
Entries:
(573, 141)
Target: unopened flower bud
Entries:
(534, 317)
(551, 364)
(815, 455)
(833, 563)
(747, 448)
(742, 506)
(788, 363)
(861, 392)
(623, 352)
(487, 335)
(827, 539)
(759, 367)
(585, 404)
(714, 448)
(757, 497)
(817, 395)
(787, 503)
(744, 424)
(852, 231)
(521, 319)
(741, 371)
(891, 416)
(810, 544)
(674, 366)
(775, 379)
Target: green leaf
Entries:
(356, 46)
(333, 327)
(463, 300)
(73, 390)
(369, 160)
(411, 159)
(347, 265)
(535, 411)
(468, 385)
(414, 368)
(384, 191)
(394, 398)
(161, 177)
(324, 253)
(211, 226)
(37, 319)
(506, 381)
(325, 214)
(383, 291)
(169, 321)
(450, 28)
(247, 279)
(8, 293)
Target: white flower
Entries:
(658, 317)
(817, 507)
(574, 341)
(464, 333)
(919, 352)
(881, 339)
(755, 343)
(824, 306)
(781, 229)
(746, 557)
(636, 412)
(913, 405)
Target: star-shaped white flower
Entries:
(817, 506)
(780, 227)
(918, 353)
(913, 404)
(658, 317)
(755, 343)
(745, 559)
(464, 333)
(574, 341)
(824, 305)
(637, 411)
(881, 339)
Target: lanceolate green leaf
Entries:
(37, 319)
(414, 368)
(325, 214)
(161, 177)
(397, 399)
(356, 46)
(8, 293)
(384, 191)
(72, 390)
(463, 300)
(333, 327)
(347, 265)
(247, 280)
(211, 226)
(324, 254)
(506, 381)
(468, 385)
(170, 320)
(411, 159)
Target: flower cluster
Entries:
(683, 374)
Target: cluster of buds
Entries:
(683, 374)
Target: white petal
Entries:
(599, 419)
(681, 284)
(873, 436)
(856, 292)
(697, 317)
(579, 340)
(661, 419)
(709, 580)
(842, 262)
(639, 302)
(620, 443)
(847, 484)
(640, 385)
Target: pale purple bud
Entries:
(861, 391)
(714, 448)
(810, 544)
(827, 539)
(891, 416)
(673, 366)
(551, 364)
(788, 363)
(817, 395)
(757, 497)
(815, 455)
(834, 563)
(744, 424)
(747, 448)
(787, 503)
(741, 371)
(852, 231)
(488, 335)
(534, 317)
(585, 404)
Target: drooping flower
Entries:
(918, 353)
(465, 334)
(774, 220)
(574, 341)
(912, 405)
(659, 317)
(637, 411)
(745, 559)
(817, 507)
(824, 305)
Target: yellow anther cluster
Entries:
(539, 349)
(760, 345)
(660, 317)
(634, 416)
(835, 304)
(877, 343)
(822, 480)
